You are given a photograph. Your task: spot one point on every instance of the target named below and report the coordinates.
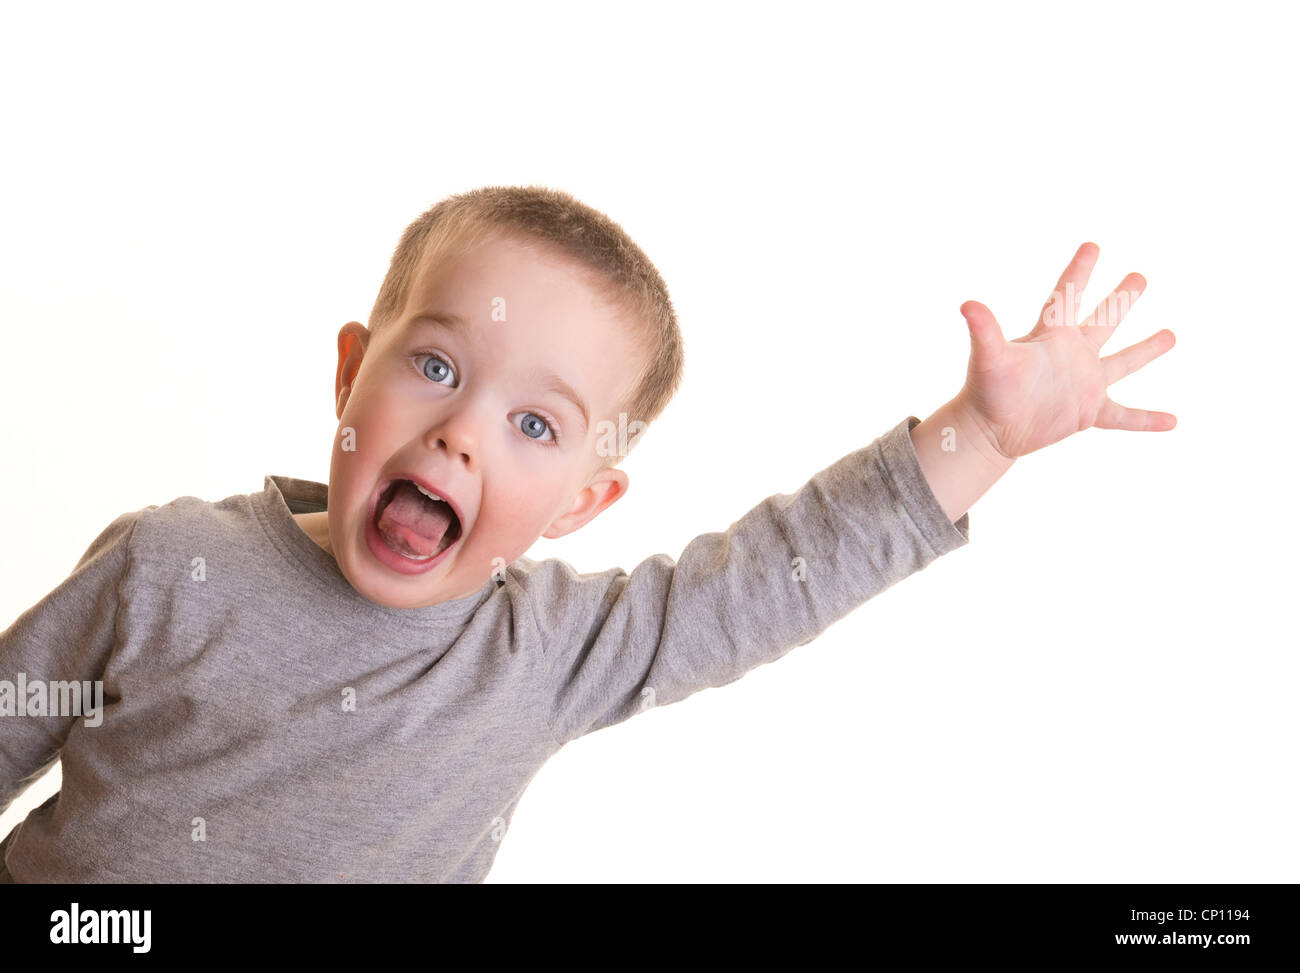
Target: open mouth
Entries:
(419, 526)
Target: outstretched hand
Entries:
(1030, 392)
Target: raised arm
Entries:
(616, 644)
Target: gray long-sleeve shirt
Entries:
(263, 721)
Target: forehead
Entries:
(496, 262)
(502, 281)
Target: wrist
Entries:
(972, 429)
(957, 456)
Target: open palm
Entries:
(1037, 390)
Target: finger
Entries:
(1115, 416)
(1098, 326)
(985, 336)
(1062, 307)
(1126, 362)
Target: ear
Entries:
(353, 340)
(604, 489)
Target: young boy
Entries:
(356, 683)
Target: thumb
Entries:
(985, 336)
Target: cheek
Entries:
(369, 431)
(513, 517)
(363, 444)
(518, 514)
(368, 408)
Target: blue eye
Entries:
(538, 421)
(434, 358)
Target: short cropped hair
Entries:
(609, 260)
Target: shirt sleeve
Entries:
(616, 644)
(65, 637)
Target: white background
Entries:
(1100, 687)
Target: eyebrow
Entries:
(550, 381)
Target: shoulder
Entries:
(188, 526)
(563, 603)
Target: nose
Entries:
(457, 434)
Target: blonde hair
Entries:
(607, 257)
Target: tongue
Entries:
(412, 523)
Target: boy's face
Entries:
(469, 410)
